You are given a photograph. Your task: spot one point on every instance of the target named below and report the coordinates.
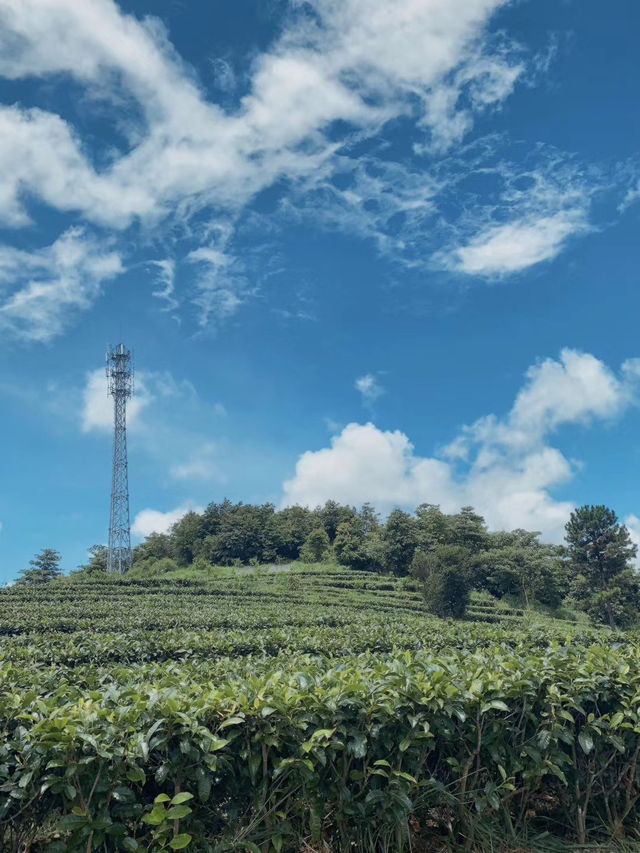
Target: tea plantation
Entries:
(312, 710)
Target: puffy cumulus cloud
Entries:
(149, 521)
(365, 461)
(97, 407)
(506, 467)
(576, 388)
(369, 387)
(40, 290)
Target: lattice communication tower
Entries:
(120, 387)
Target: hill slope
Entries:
(318, 709)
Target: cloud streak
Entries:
(314, 126)
(357, 64)
(42, 289)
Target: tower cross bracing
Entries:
(120, 387)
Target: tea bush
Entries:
(224, 715)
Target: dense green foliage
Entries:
(274, 710)
(44, 567)
(322, 708)
(601, 551)
(595, 571)
(444, 573)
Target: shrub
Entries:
(316, 546)
(447, 592)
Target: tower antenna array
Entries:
(120, 387)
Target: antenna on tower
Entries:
(120, 387)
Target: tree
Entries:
(400, 541)
(45, 567)
(427, 563)
(185, 535)
(433, 527)
(601, 552)
(368, 519)
(359, 550)
(97, 562)
(469, 530)
(517, 563)
(331, 515)
(155, 546)
(248, 532)
(316, 546)
(294, 524)
(443, 572)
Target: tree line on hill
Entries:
(451, 554)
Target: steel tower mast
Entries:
(120, 387)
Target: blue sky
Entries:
(360, 250)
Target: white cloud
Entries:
(370, 388)
(166, 277)
(322, 70)
(527, 219)
(356, 62)
(338, 73)
(40, 290)
(515, 246)
(504, 467)
(221, 284)
(97, 408)
(632, 523)
(149, 521)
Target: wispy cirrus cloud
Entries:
(315, 126)
(354, 63)
(41, 290)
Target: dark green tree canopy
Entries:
(44, 568)
(316, 546)
(97, 562)
(601, 555)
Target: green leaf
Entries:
(586, 741)
(232, 721)
(162, 798)
(179, 842)
(183, 797)
(136, 774)
(156, 816)
(73, 821)
(616, 720)
(495, 704)
(178, 812)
